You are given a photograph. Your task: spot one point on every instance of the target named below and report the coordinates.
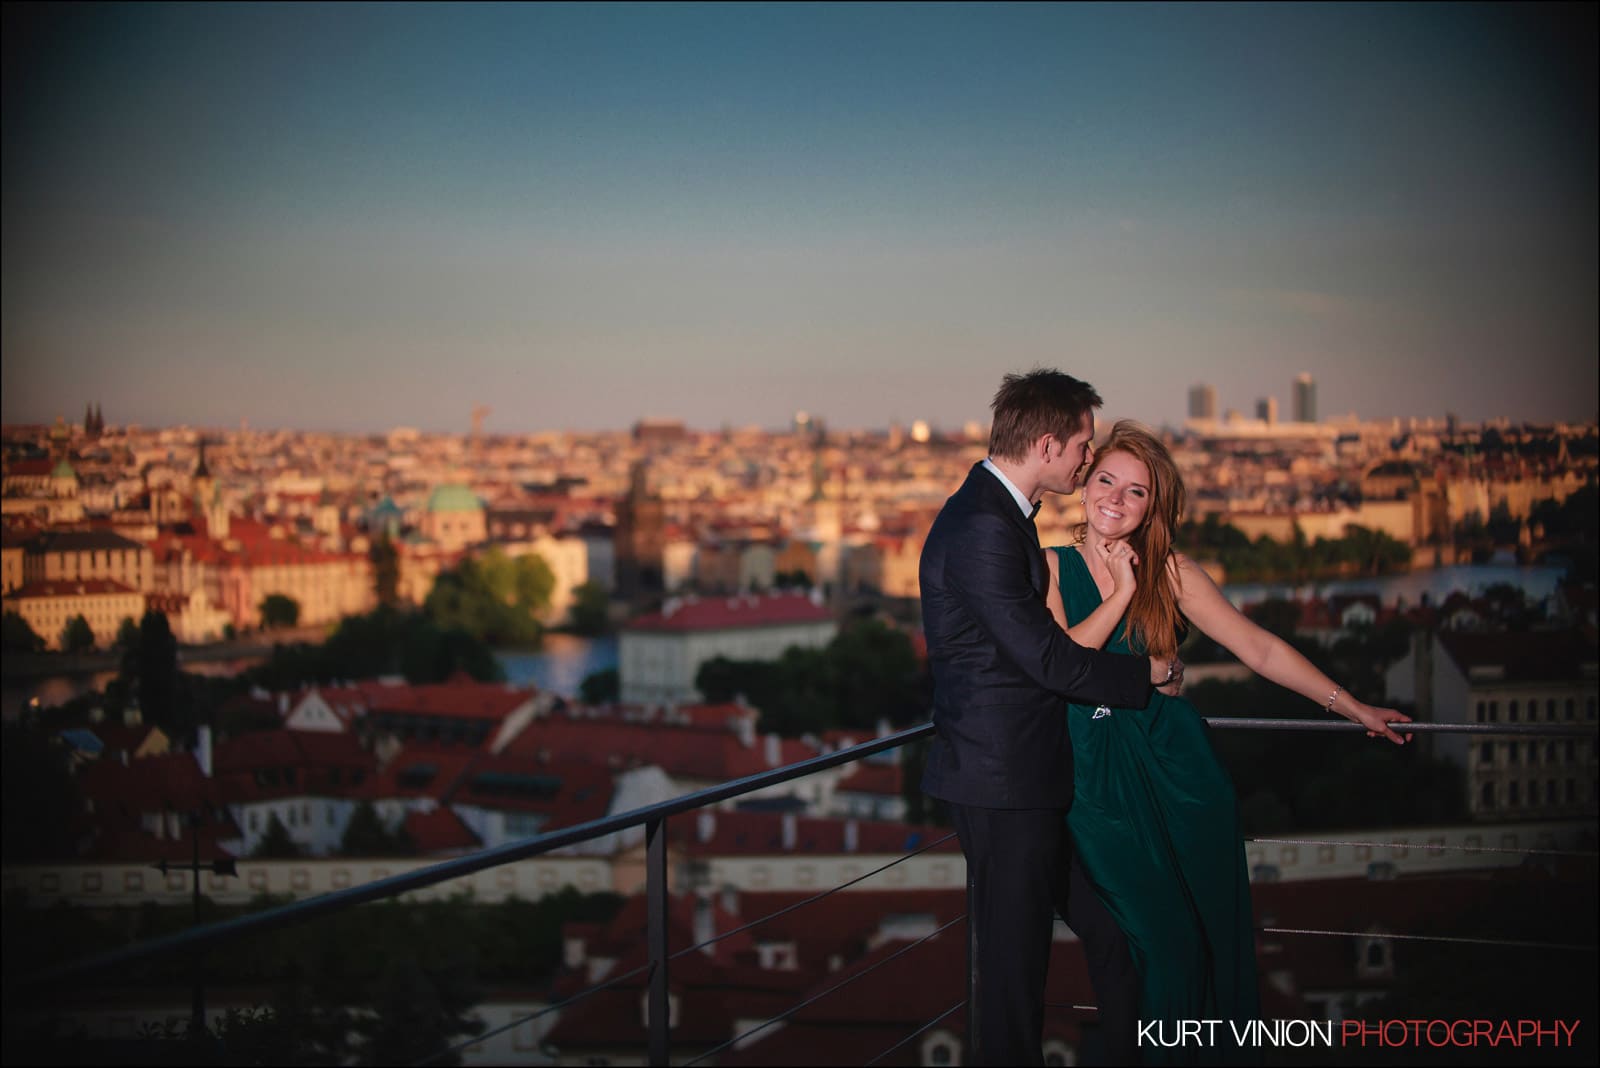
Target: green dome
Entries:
(454, 499)
(63, 470)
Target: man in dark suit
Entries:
(1001, 757)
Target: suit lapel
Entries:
(990, 495)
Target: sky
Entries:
(360, 217)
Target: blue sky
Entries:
(357, 217)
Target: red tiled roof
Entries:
(263, 765)
(154, 784)
(460, 698)
(734, 613)
(724, 715)
(577, 792)
(68, 588)
(710, 755)
(440, 830)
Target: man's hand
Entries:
(1166, 675)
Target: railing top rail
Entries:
(1555, 730)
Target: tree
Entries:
(381, 642)
(868, 673)
(494, 598)
(17, 636)
(276, 843)
(77, 636)
(127, 634)
(591, 609)
(278, 610)
(150, 670)
(600, 687)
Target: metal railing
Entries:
(653, 819)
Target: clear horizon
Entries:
(359, 217)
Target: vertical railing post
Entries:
(972, 971)
(197, 1010)
(655, 891)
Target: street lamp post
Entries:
(222, 866)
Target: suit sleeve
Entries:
(985, 575)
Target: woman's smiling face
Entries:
(1117, 495)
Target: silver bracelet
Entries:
(1334, 696)
(1172, 669)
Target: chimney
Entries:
(705, 926)
(774, 750)
(730, 899)
(283, 704)
(705, 824)
(745, 725)
(791, 830)
(852, 836)
(202, 748)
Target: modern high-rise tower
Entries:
(1305, 399)
(1202, 401)
(1267, 410)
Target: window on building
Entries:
(1588, 708)
(1480, 711)
(1494, 711)
(1514, 794)
(1550, 792)
(1486, 753)
(1486, 796)
(1572, 791)
(1511, 712)
(1550, 710)
(1511, 752)
(1571, 708)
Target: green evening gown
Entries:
(1156, 825)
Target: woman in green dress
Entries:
(1154, 818)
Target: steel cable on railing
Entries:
(1455, 939)
(1433, 847)
(915, 1033)
(875, 965)
(461, 1046)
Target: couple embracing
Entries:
(1080, 783)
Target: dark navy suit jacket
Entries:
(1002, 668)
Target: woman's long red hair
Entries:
(1155, 625)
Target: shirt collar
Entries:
(1016, 494)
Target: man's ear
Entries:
(1042, 448)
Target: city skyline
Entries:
(353, 218)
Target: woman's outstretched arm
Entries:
(1269, 655)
